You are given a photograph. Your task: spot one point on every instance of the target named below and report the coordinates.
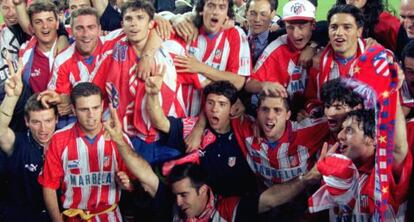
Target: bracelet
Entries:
(6, 114)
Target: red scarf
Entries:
(329, 69)
(205, 216)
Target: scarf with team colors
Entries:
(375, 78)
(328, 69)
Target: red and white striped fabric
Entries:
(86, 172)
(294, 154)
(226, 51)
(70, 67)
(278, 63)
(129, 90)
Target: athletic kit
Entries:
(289, 157)
(71, 67)
(85, 169)
(278, 63)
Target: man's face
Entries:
(343, 34)
(136, 25)
(409, 74)
(42, 125)
(336, 114)
(272, 116)
(77, 4)
(8, 10)
(407, 16)
(44, 26)
(190, 202)
(299, 33)
(214, 15)
(357, 3)
(217, 109)
(353, 143)
(88, 111)
(86, 31)
(259, 16)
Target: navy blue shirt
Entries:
(25, 200)
(110, 19)
(228, 171)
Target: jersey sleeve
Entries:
(60, 78)
(52, 172)
(174, 138)
(267, 66)
(399, 188)
(239, 60)
(242, 128)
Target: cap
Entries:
(299, 10)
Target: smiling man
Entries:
(277, 67)
(39, 53)
(345, 46)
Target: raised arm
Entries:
(139, 167)
(100, 6)
(13, 89)
(22, 16)
(190, 64)
(400, 139)
(153, 86)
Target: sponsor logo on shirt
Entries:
(73, 164)
(31, 167)
(90, 179)
(35, 73)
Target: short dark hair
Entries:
(199, 8)
(335, 90)
(366, 119)
(273, 4)
(223, 88)
(84, 11)
(144, 5)
(84, 89)
(263, 96)
(347, 9)
(34, 105)
(197, 175)
(408, 51)
(42, 6)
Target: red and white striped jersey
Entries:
(86, 172)
(71, 67)
(127, 92)
(278, 63)
(227, 50)
(292, 155)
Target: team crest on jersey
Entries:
(107, 161)
(73, 164)
(293, 161)
(364, 201)
(217, 54)
(231, 161)
(119, 53)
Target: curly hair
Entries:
(371, 10)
